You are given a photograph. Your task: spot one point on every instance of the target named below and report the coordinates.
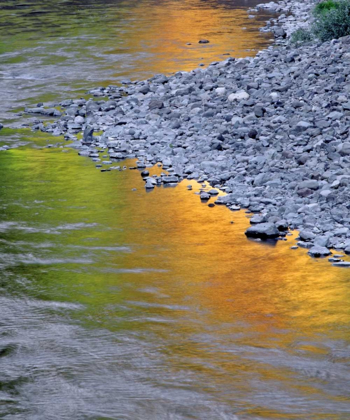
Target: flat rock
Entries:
(319, 251)
(263, 231)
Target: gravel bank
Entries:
(272, 131)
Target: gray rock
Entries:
(88, 135)
(306, 235)
(155, 104)
(48, 112)
(319, 251)
(263, 231)
(341, 264)
(309, 184)
(204, 196)
(171, 179)
(344, 149)
(258, 218)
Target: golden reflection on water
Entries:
(166, 29)
(239, 317)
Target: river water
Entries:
(121, 304)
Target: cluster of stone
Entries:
(272, 131)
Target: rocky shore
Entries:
(272, 131)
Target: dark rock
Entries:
(88, 135)
(156, 104)
(252, 133)
(263, 231)
(304, 192)
(259, 111)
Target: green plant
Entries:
(333, 24)
(325, 6)
(300, 36)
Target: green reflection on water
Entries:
(178, 275)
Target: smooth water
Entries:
(54, 49)
(121, 304)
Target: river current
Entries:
(121, 304)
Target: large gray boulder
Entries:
(319, 251)
(263, 231)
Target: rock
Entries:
(48, 112)
(203, 41)
(344, 149)
(302, 126)
(279, 32)
(204, 196)
(88, 135)
(155, 104)
(144, 89)
(319, 251)
(258, 218)
(262, 231)
(306, 235)
(259, 111)
(341, 264)
(304, 192)
(282, 225)
(252, 133)
(309, 184)
(79, 120)
(220, 91)
(150, 184)
(170, 179)
(238, 96)
(271, 130)
(235, 208)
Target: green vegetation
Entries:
(300, 36)
(325, 6)
(332, 21)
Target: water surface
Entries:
(52, 50)
(118, 304)
(121, 304)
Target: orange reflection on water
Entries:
(255, 326)
(165, 30)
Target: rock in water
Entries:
(263, 231)
(319, 251)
